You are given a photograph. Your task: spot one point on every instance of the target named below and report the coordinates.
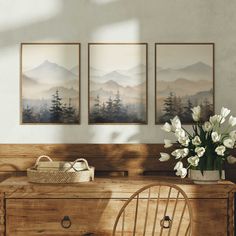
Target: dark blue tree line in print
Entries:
(175, 106)
(112, 111)
(57, 113)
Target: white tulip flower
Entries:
(231, 159)
(200, 151)
(224, 112)
(232, 121)
(181, 172)
(166, 127)
(217, 119)
(167, 143)
(196, 113)
(196, 141)
(180, 133)
(177, 153)
(184, 141)
(232, 134)
(229, 142)
(176, 124)
(164, 156)
(207, 126)
(178, 165)
(193, 160)
(220, 150)
(185, 152)
(215, 137)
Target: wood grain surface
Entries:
(43, 216)
(131, 158)
(37, 209)
(108, 159)
(112, 187)
(2, 214)
(134, 166)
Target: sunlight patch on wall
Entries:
(117, 32)
(28, 13)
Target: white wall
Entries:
(109, 21)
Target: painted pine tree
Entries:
(169, 108)
(117, 105)
(109, 107)
(96, 107)
(56, 110)
(27, 115)
(70, 113)
(187, 114)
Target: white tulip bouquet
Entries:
(206, 148)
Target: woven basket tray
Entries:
(60, 172)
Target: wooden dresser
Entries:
(34, 209)
(28, 209)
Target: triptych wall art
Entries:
(117, 82)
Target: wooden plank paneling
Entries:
(133, 158)
(117, 159)
(8, 174)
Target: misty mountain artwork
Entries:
(50, 75)
(184, 79)
(117, 83)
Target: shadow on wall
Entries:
(102, 21)
(68, 13)
(85, 14)
(93, 18)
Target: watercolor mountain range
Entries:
(130, 84)
(41, 83)
(192, 84)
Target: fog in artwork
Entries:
(118, 86)
(179, 85)
(50, 87)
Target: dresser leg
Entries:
(231, 214)
(2, 215)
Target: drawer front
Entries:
(210, 217)
(97, 216)
(48, 216)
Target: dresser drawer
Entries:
(54, 216)
(49, 217)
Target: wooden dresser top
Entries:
(112, 187)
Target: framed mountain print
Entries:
(117, 83)
(184, 78)
(50, 83)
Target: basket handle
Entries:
(81, 160)
(39, 159)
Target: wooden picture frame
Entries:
(184, 74)
(117, 83)
(50, 83)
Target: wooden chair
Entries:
(158, 209)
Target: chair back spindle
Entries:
(159, 209)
